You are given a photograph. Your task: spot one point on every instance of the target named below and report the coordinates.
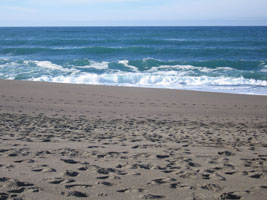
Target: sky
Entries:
(133, 12)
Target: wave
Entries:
(145, 64)
(30, 51)
(190, 43)
(125, 63)
(189, 68)
(148, 72)
(264, 69)
(170, 80)
(251, 69)
(134, 51)
(150, 63)
(94, 65)
(47, 65)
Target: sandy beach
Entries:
(64, 141)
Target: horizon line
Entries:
(47, 26)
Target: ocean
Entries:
(215, 59)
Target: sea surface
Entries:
(219, 59)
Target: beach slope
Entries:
(64, 141)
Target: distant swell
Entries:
(136, 51)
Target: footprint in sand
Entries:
(70, 173)
(12, 187)
(211, 187)
(76, 194)
(69, 161)
(151, 196)
(43, 168)
(56, 180)
(105, 183)
(175, 185)
(83, 168)
(126, 190)
(162, 156)
(102, 177)
(229, 195)
(79, 185)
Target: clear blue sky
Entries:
(132, 12)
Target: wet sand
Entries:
(64, 141)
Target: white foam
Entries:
(48, 65)
(264, 69)
(126, 64)
(189, 67)
(171, 80)
(164, 76)
(95, 65)
(8, 64)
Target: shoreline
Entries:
(83, 99)
(141, 87)
(69, 141)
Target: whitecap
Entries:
(264, 69)
(95, 65)
(189, 67)
(48, 65)
(126, 64)
(171, 80)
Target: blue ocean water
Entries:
(221, 59)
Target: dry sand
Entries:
(63, 141)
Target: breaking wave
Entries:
(148, 72)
